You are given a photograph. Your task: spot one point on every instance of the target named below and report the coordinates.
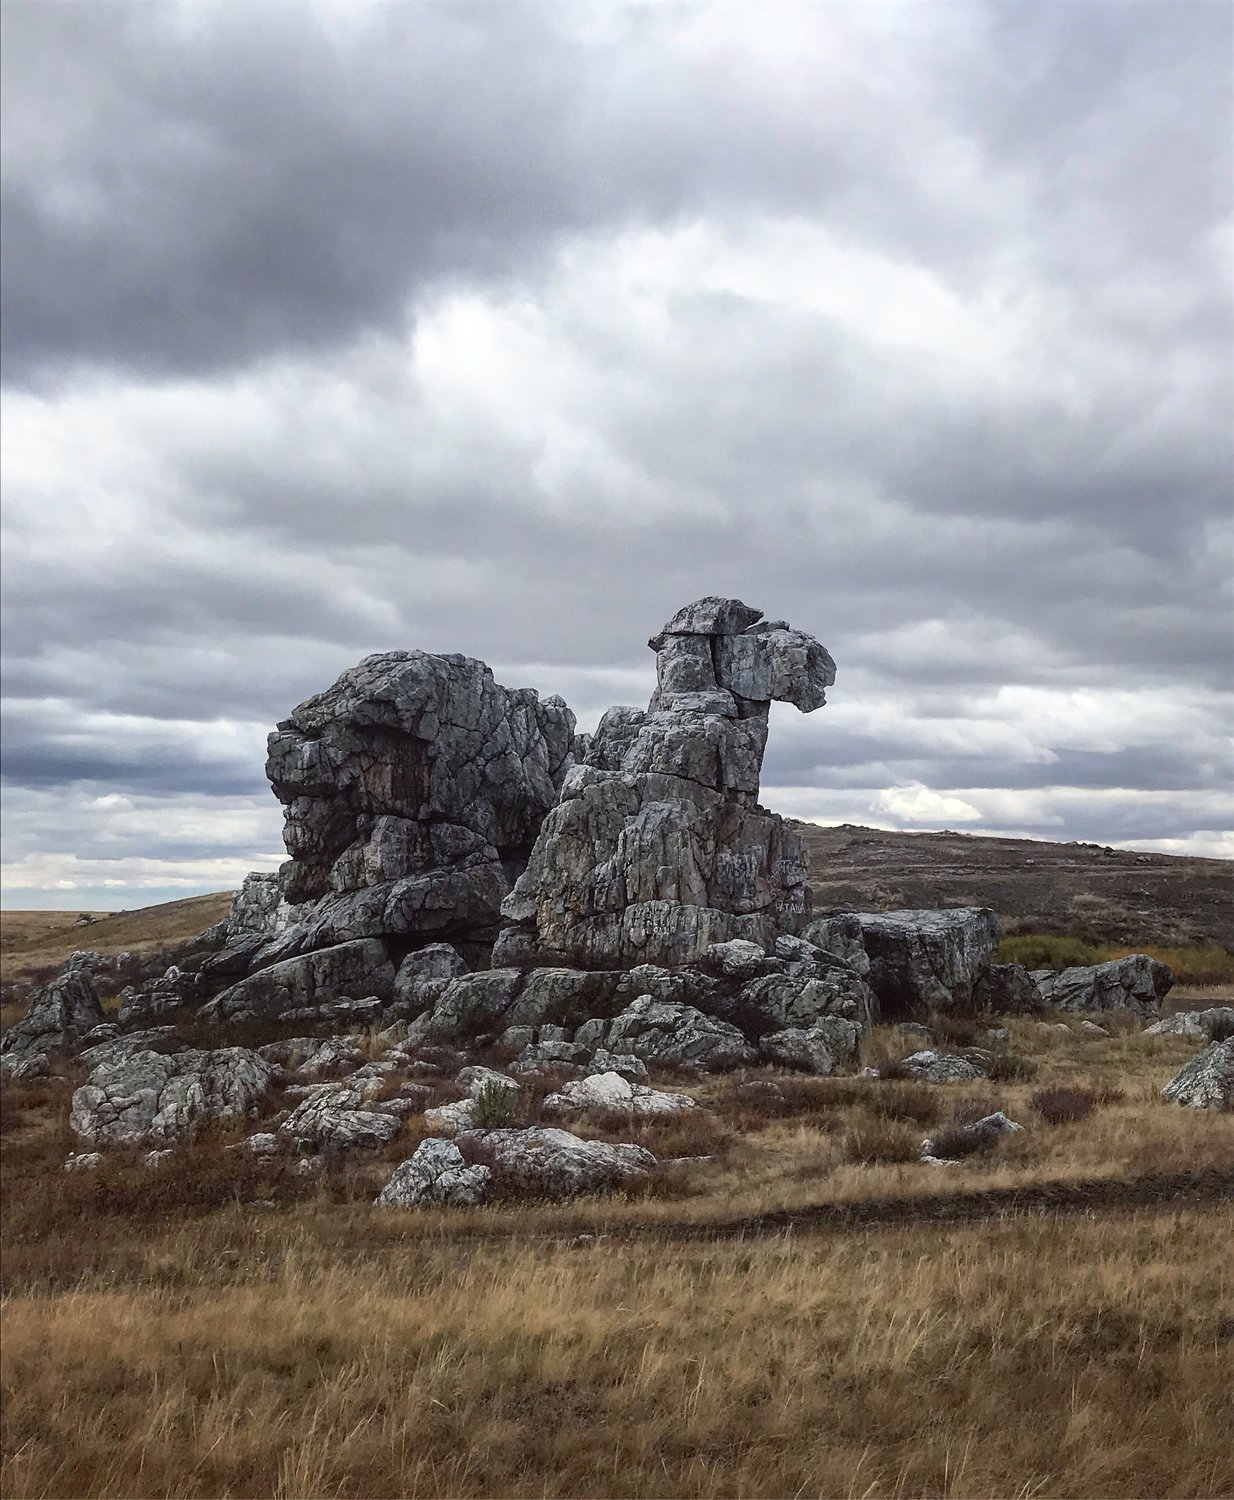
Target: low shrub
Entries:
(496, 1106)
(1042, 950)
(959, 1031)
(881, 1142)
(1011, 1067)
(957, 1142)
(1062, 1106)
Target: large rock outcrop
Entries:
(1207, 1081)
(413, 791)
(657, 849)
(153, 1098)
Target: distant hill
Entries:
(31, 940)
(1101, 894)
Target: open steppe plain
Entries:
(811, 1311)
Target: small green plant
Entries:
(496, 1105)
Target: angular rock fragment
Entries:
(666, 1034)
(610, 1091)
(552, 1163)
(819, 1048)
(339, 1117)
(1215, 1024)
(1207, 1081)
(436, 1174)
(941, 1067)
(928, 960)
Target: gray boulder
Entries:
(435, 1175)
(1211, 1025)
(611, 1092)
(312, 981)
(819, 1048)
(61, 1015)
(664, 1033)
(1136, 983)
(1007, 990)
(972, 1139)
(840, 934)
(941, 1067)
(1207, 1081)
(929, 960)
(339, 1117)
(552, 1163)
(156, 1098)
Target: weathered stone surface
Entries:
(820, 1048)
(1212, 1025)
(308, 981)
(1207, 1081)
(314, 1057)
(785, 1001)
(657, 850)
(840, 934)
(981, 1135)
(1007, 990)
(941, 1067)
(84, 1161)
(664, 1033)
(154, 1098)
(551, 1163)
(435, 1175)
(60, 1016)
(928, 960)
(413, 984)
(1137, 983)
(339, 1117)
(410, 773)
(610, 1091)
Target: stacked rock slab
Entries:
(658, 849)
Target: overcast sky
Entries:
(508, 328)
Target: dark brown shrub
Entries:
(1062, 1106)
(1011, 1067)
(956, 1142)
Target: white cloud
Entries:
(916, 803)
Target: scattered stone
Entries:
(435, 1174)
(265, 1143)
(552, 1163)
(154, 1097)
(452, 1118)
(1207, 1081)
(915, 1029)
(664, 1034)
(311, 982)
(979, 1136)
(941, 1067)
(817, 1049)
(85, 1161)
(153, 1160)
(1090, 1028)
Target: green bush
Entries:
(496, 1106)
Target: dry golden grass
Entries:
(31, 941)
(1019, 1358)
(166, 1336)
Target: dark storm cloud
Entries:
(507, 329)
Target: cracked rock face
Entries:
(408, 788)
(155, 1098)
(1137, 983)
(61, 1015)
(1207, 1081)
(926, 960)
(657, 849)
(435, 1174)
(549, 1163)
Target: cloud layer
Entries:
(335, 328)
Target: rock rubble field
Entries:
(468, 878)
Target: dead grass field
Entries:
(34, 940)
(229, 1328)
